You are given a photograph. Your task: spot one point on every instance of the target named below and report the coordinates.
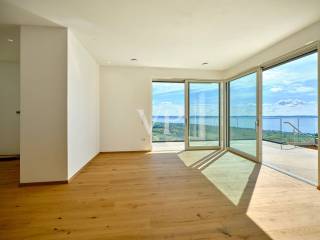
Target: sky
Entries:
(243, 96)
(289, 89)
(168, 99)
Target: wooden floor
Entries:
(161, 196)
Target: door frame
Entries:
(290, 56)
(187, 120)
(186, 109)
(299, 52)
(227, 82)
(151, 119)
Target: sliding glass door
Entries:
(290, 117)
(186, 111)
(168, 119)
(203, 115)
(242, 115)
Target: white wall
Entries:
(293, 42)
(9, 104)
(60, 92)
(124, 90)
(83, 106)
(43, 72)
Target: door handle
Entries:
(257, 124)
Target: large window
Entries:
(290, 103)
(168, 112)
(243, 114)
(202, 114)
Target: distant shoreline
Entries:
(300, 116)
(305, 123)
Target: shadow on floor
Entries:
(138, 196)
(233, 175)
(232, 180)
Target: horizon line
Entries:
(237, 116)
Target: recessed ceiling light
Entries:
(133, 59)
(10, 40)
(107, 61)
(205, 63)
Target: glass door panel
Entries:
(290, 117)
(168, 112)
(242, 117)
(203, 122)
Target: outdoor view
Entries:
(289, 121)
(290, 117)
(242, 114)
(203, 114)
(168, 113)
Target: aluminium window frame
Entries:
(186, 82)
(151, 120)
(224, 102)
(287, 57)
(187, 110)
(227, 82)
(306, 50)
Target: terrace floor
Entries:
(179, 146)
(167, 146)
(299, 162)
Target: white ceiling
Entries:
(171, 33)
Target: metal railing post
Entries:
(281, 133)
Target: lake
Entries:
(306, 124)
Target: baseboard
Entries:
(42, 183)
(9, 157)
(58, 182)
(84, 166)
(78, 172)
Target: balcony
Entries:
(289, 143)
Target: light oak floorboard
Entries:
(161, 196)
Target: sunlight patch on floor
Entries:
(272, 200)
(288, 206)
(191, 157)
(230, 174)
